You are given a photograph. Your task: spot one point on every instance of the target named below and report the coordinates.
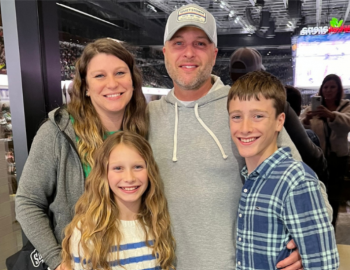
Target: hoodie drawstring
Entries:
(175, 133)
(210, 132)
(203, 125)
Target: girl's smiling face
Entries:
(127, 178)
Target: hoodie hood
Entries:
(60, 117)
(218, 92)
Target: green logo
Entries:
(335, 22)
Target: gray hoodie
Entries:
(200, 167)
(51, 183)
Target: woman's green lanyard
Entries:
(87, 167)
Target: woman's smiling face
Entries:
(109, 85)
(330, 90)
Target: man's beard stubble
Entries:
(196, 83)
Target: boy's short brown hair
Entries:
(256, 83)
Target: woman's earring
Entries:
(87, 93)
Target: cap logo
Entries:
(191, 14)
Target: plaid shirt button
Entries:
(245, 190)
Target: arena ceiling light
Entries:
(151, 8)
(86, 14)
(252, 2)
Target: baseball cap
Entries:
(191, 15)
(249, 57)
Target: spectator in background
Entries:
(245, 60)
(331, 123)
(11, 169)
(294, 100)
(69, 53)
(68, 92)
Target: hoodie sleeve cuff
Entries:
(54, 261)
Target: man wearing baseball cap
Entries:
(244, 60)
(190, 137)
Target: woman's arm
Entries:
(36, 189)
(341, 120)
(311, 154)
(305, 117)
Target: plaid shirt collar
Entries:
(264, 169)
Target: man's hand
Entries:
(293, 262)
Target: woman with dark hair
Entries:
(331, 123)
(106, 98)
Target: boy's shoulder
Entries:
(296, 171)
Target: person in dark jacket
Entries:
(294, 100)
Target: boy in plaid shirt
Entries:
(281, 198)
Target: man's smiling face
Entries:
(189, 58)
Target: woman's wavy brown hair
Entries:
(96, 212)
(87, 124)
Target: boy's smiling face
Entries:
(254, 128)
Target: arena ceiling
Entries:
(232, 16)
(264, 24)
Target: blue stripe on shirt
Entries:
(129, 246)
(152, 268)
(131, 260)
(124, 261)
(77, 260)
(124, 247)
(132, 246)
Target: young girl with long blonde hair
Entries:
(121, 221)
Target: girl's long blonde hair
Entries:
(96, 212)
(87, 124)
